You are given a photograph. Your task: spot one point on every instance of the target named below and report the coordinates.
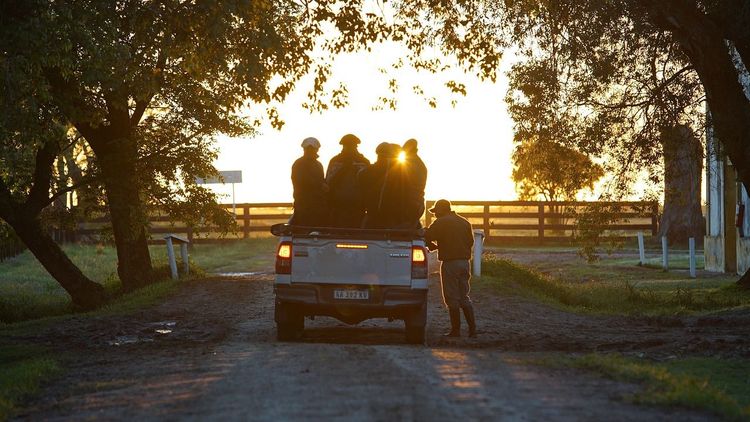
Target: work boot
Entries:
(455, 314)
(470, 320)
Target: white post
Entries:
(184, 254)
(641, 249)
(664, 253)
(691, 242)
(478, 248)
(170, 255)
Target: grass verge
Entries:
(715, 385)
(22, 370)
(27, 291)
(622, 297)
(24, 367)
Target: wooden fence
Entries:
(542, 222)
(509, 221)
(10, 246)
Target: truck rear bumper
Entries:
(384, 301)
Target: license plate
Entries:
(350, 294)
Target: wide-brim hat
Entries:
(349, 139)
(441, 205)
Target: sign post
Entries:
(228, 176)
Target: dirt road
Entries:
(209, 352)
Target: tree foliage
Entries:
(631, 66)
(552, 171)
(150, 83)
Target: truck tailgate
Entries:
(331, 261)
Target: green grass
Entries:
(239, 256)
(717, 385)
(619, 296)
(24, 367)
(22, 370)
(27, 291)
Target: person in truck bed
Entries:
(455, 240)
(416, 176)
(345, 201)
(310, 201)
(383, 188)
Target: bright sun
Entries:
(401, 157)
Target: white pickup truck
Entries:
(351, 275)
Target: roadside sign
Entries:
(230, 176)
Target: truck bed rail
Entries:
(346, 233)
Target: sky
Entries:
(467, 148)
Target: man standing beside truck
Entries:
(310, 202)
(455, 240)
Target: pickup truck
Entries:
(351, 275)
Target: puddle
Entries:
(125, 340)
(162, 331)
(164, 323)
(241, 274)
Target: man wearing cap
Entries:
(416, 179)
(310, 205)
(344, 198)
(455, 240)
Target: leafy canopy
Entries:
(552, 171)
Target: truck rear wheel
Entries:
(289, 322)
(415, 324)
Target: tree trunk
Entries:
(129, 220)
(86, 294)
(683, 168)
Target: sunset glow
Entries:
(450, 137)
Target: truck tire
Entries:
(415, 323)
(289, 322)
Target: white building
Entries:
(727, 242)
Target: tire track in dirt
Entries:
(220, 360)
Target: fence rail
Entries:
(542, 222)
(513, 221)
(10, 246)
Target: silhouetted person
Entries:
(310, 203)
(416, 179)
(344, 199)
(383, 188)
(455, 240)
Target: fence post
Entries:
(428, 214)
(184, 256)
(664, 253)
(478, 249)
(486, 220)
(170, 256)
(541, 223)
(654, 219)
(691, 242)
(641, 249)
(245, 221)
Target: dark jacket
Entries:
(454, 237)
(383, 188)
(310, 203)
(344, 198)
(416, 180)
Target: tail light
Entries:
(284, 258)
(418, 262)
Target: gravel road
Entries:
(209, 353)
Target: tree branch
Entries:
(42, 178)
(86, 180)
